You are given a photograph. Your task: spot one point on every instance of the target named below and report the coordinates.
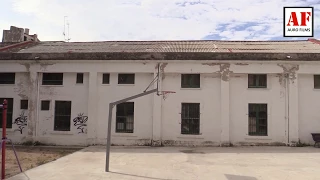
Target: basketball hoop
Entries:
(165, 94)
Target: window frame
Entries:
(43, 105)
(188, 77)
(186, 119)
(24, 106)
(257, 79)
(103, 78)
(79, 78)
(255, 128)
(66, 116)
(127, 76)
(50, 82)
(316, 85)
(124, 118)
(5, 78)
(10, 106)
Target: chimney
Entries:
(13, 35)
(35, 38)
(26, 31)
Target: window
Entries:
(24, 104)
(316, 79)
(7, 78)
(79, 78)
(190, 118)
(52, 79)
(125, 117)
(105, 78)
(258, 119)
(45, 105)
(257, 80)
(62, 115)
(9, 112)
(126, 78)
(190, 80)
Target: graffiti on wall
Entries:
(81, 122)
(21, 122)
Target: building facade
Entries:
(59, 92)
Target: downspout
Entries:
(37, 104)
(288, 105)
(288, 89)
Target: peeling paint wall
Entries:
(142, 109)
(241, 96)
(69, 91)
(18, 92)
(309, 108)
(208, 95)
(213, 75)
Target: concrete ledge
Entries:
(163, 56)
(61, 133)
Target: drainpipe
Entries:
(288, 109)
(287, 106)
(37, 103)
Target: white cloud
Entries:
(156, 19)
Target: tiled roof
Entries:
(306, 46)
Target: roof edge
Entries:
(163, 56)
(15, 45)
(313, 40)
(207, 40)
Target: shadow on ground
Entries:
(145, 177)
(236, 177)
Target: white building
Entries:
(226, 92)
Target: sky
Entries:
(105, 20)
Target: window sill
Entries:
(51, 85)
(316, 89)
(61, 132)
(105, 84)
(258, 138)
(79, 84)
(190, 136)
(124, 135)
(190, 88)
(7, 84)
(258, 89)
(125, 84)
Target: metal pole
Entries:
(111, 105)
(4, 127)
(109, 136)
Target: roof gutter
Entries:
(167, 56)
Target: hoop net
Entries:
(165, 94)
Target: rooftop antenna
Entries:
(64, 29)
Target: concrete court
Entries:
(173, 163)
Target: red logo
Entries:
(305, 16)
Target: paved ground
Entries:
(142, 163)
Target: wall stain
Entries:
(162, 67)
(289, 72)
(224, 70)
(44, 66)
(21, 91)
